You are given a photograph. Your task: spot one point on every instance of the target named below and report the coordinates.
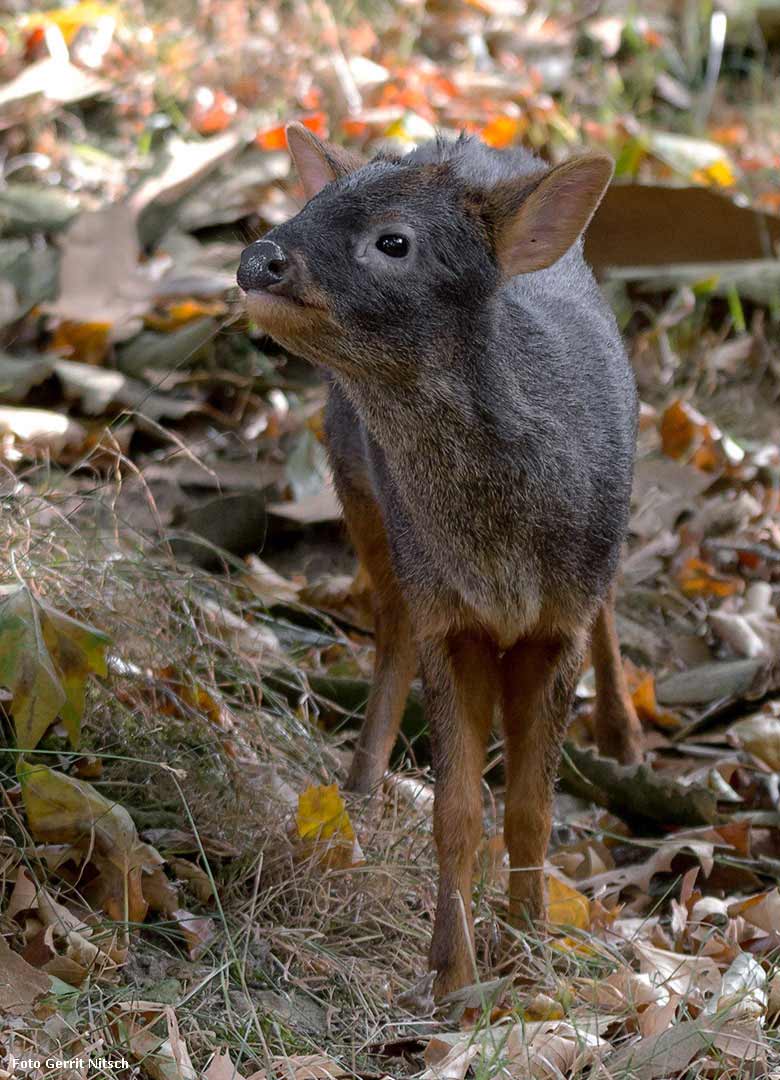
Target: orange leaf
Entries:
(183, 312)
(502, 131)
(700, 578)
(646, 704)
(275, 138)
(213, 111)
(88, 342)
(684, 431)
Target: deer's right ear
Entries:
(318, 163)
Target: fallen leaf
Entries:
(759, 734)
(761, 911)
(322, 814)
(267, 584)
(101, 277)
(221, 1067)
(45, 658)
(40, 429)
(163, 1057)
(61, 809)
(548, 1050)
(663, 1055)
(566, 906)
(449, 1063)
(743, 990)
(198, 931)
(323, 825)
(689, 977)
(88, 342)
(20, 984)
(697, 577)
(69, 20)
(55, 80)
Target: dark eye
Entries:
(397, 247)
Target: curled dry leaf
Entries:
(302, 1067)
(754, 629)
(641, 874)
(743, 990)
(663, 1055)
(39, 429)
(447, 1062)
(689, 977)
(548, 1050)
(164, 1057)
(221, 1067)
(761, 911)
(61, 809)
(627, 991)
(267, 584)
(759, 734)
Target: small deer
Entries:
(481, 426)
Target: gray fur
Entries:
(494, 421)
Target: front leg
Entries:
(460, 678)
(538, 682)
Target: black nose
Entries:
(262, 264)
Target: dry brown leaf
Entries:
(660, 862)
(39, 429)
(446, 1062)
(221, 1067)
(195, 876)
(689, 977)
(661, 1056)
(163, 1057)
(20, 984)
(547, 1050)
(267, 584)
(638, 994)
(761, 911)
(198, 931)
(24, 896)
(759, 734)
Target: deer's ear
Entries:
(318, 163)
(536, 223)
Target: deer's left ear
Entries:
(318, 163)
(535, 222)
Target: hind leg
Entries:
(618, 731)
(394, 658)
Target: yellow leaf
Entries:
(566, 906)
(69, 20)
(542, 1007)
(718, 174)
(322, 814)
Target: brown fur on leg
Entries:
(618, 731)
(461, 683)
(394, 658)
(538, 681)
